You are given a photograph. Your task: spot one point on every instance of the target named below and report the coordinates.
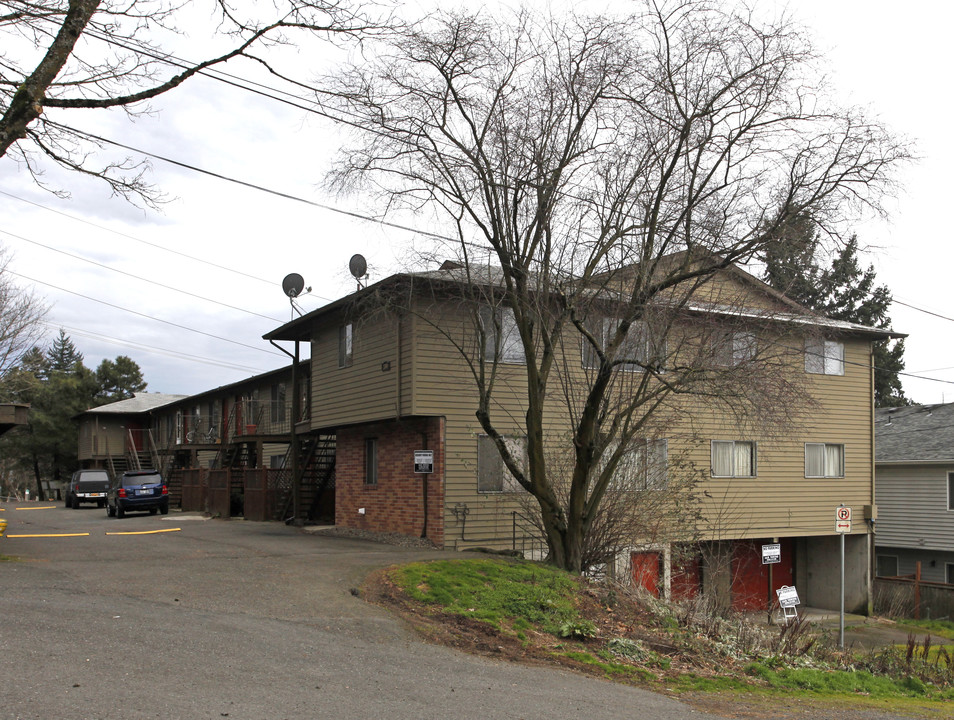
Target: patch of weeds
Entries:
(635, 651)
(609, 668)
(939, 628)
(578, 629)
(857, 682)
(690, 682)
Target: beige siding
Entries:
(369, 389)
(780, 501)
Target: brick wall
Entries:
(396, 503)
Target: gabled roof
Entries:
(915, 434)
(454, 273)
(138, 403)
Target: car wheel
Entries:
(120, 511)
(164, 509)
(110, 512)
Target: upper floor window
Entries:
(950, 491)
(824, 357)
(502, 339)
(277, 414)
(642, 466)
(733, 458)
(493, 475)
(639, 350)
(346, 345)
(733, 348)
(824, 460)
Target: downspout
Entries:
(293, 439)
(424, 478)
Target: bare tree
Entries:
(99, 54)
(21, 317)
(594, 176)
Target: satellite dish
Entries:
(293, 284)
(358, 266)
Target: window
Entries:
(950, 573)
(824, 460)
(824, 357)
(346, 345)
(370, 461)
(643, 465)
(493, 476)
(638, 350)
(278, 403)
(734, 348)
(500, 329)
(887, 566)
(950, 491)
(733, 459)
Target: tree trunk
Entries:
(39, 482)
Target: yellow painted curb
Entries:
(146, 532)
(42, 507)
(58, 535)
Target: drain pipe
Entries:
(293, 439)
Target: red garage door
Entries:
(646, 571)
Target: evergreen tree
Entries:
(842, 291)
(63, 355)
(119, 379)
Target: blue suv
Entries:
(135, 491)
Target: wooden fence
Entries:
(909, 596)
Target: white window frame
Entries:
(737, 445)
(517, 445)
(639, 345)
(346, 345)
(645, 461)
(734, 348)
(511, 345)
(828, 471)
(824, 357)
(897, 564)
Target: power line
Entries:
(139, 277)
(146, 242)
(148, 317)
(926, 312)
(150, 348)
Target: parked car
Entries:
(87, 486)
(135, 491)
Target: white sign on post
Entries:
(771, 554)
(842, 519)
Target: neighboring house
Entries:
(116, 436)
(914, 467)
(387, 383)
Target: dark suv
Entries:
(87, 486)
(137, 490)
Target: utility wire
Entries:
(146, 242)
(139, 277)
(156, 350)
(148, 317)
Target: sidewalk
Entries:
(861, 632)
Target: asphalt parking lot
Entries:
(179, 616)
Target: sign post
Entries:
(842, 527)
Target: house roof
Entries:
(300, 328)
(915, 434)
(138, 403)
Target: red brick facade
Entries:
(396, 502)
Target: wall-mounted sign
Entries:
(423, 461)
(771, 554)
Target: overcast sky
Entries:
(222, 249)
